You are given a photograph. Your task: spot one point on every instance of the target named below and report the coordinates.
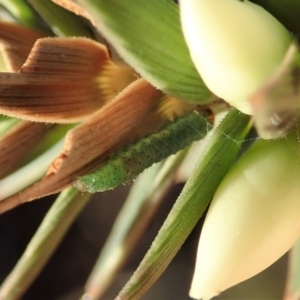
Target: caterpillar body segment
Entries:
(127, 163)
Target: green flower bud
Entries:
(235, 46)
(253, 219)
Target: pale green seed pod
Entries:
(253, 219)
(235, 46)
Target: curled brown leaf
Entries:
(88, 145)
(15, 44)
(58, 82)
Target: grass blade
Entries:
(43, 244)
(148, 36)
(220, 152)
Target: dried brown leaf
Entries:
(58, 82)
(88, 145)
(15, 144)
(15, 44)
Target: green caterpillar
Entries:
(127, 163)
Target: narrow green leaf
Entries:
(220, 152)
(148, 36)
(53, 228)
(144, 198)
(62, 22)
(22, 12)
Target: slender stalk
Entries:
(22, 12)
(53, 228)
(145, 197)
(220, 152)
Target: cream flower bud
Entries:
(235, 46)
(254, 217)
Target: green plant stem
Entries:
(22, 12)
(220, 152)
(53, 228)
(141, 204)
